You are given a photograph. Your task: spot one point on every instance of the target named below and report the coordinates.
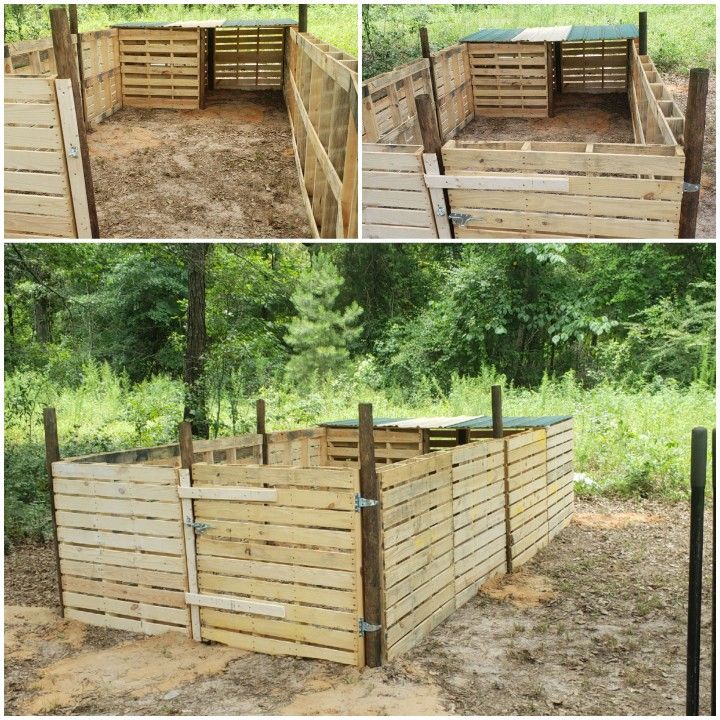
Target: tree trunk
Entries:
(42, 319)
(196, 346)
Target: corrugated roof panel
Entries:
(602, 32)
(260, 23)
(479, 422)
(493, 35)
(281, 22)
(543, 34)
(514, 421)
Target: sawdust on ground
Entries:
(224, 172)
(523, 589)
(607, 521)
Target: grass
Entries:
(679, 36)
(335, 24)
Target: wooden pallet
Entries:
(161, 68)
(391, 445)
(509, 79)
(536, 189)
(389, 112)
(102, 89)
(120, 545)
(249, 58)
(396, 202)
(594, 66)
(453, 89)
(321, 96)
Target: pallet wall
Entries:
(510, 79)
(539, 189)
(391, 445)
(249, 58)
(443, 524)
(298, 448)
(161, 68)
(396, 201)
(453, 89)
(560, 496)
(120, 545)
(295, 556)
(594, 66)
(389, 112)
(38, 200)
(31, 57)
(102, 89)
(321, 96)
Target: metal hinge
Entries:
(460, 219)
(689, 187)
(365, 627)
(361, 502)
(198, 527)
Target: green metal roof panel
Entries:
(493, 35)
(259, 23)
(485, 422)
(602, 32)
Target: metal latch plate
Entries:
(461, 219)
(198, 527)
(690, 187)
(365, 627)
(361, 502)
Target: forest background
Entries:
(127, 339)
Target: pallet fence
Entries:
(539, 189)
(101, 75)
(44, 180)
(453, 89)
(249, 58)
(594, 66)
(321, 96)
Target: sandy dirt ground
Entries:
(606, 118)
(578, 117)
(224, 172)
(595, 624)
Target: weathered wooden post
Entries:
(497, 417)
(260, 429)
(714, 595)
(558, 67)
(52, 454)
(694, 141)
(369, 506)
(303, 18)
(211, 58)
(642, 25)
(427, 54)
(67, 67)
(74, 30)
(698, 471)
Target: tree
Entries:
(196, 341)
(321, 334)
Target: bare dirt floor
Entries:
(227, 171)
(595, 624)
(589, 118)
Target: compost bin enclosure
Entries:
(268, 556)
(175, 66)
(522, 186)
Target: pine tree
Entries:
(320, 334)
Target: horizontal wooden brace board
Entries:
(228, 493)
(499, 182)
(244, 605)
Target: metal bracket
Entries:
(461, 219)
(73, 152)
(440, 212)
(198, 527)
(366, 627)
(689, 187)
(361, 502)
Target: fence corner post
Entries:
(643, 28)
(694, 138)
(497, 416)
(302, 17)
(372, 575)
(261, 430)
(698, 472)
(52, 454)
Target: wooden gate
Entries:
(45, 193)
(274, 559)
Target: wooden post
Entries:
(497, 416)
(52, 454)
(202, 64)
(694, 141)
(260, 428)
(67, 68)
(187, 456)
(372, 575)
(73, 13)
(549, 66)
(628, 68)
(211, 58)
(186, 446)
(462, 436)
(302, 18)
(642, 24)
(425, 49)
(558, 67)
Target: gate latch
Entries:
(365, 627)
(198, 527)
(461, 219)
(361, 502)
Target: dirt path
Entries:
(595, 624)
(224, 172)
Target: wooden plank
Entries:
(124, 541)
(145, 611)
(190, 556)
(142, 561)
(227, 493)
(119, 472)
(235, 604)
(132, 593)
